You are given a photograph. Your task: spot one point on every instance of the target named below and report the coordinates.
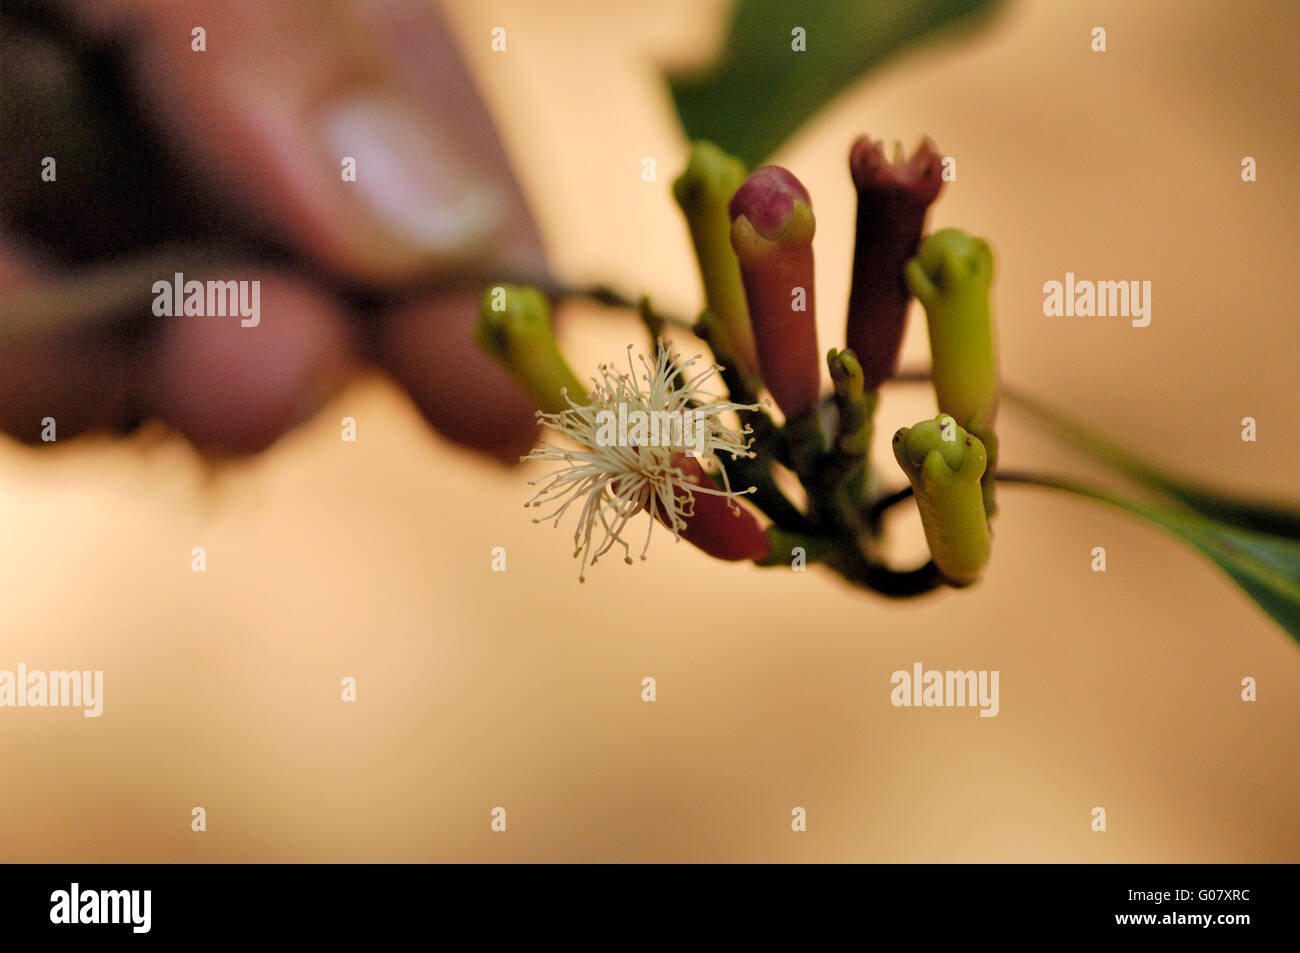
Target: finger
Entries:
(54, 386)
(233, 389)
(285, 92)
(469, 398)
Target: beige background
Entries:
(522, 689)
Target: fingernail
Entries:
(413, 177)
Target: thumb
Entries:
(305, 113)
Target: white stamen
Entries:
(615, 483)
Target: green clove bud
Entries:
(703, 192)
(944, 464)
(951, 275)
(514, 326)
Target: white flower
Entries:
(616, 482)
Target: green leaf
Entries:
(760, 89)
(1269, 517)
(1266, 566)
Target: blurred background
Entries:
(522, 689)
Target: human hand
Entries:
(239, 148)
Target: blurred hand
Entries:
(252, 133)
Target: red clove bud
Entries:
(772, 228)
(717, 524)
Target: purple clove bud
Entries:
(892, 202)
